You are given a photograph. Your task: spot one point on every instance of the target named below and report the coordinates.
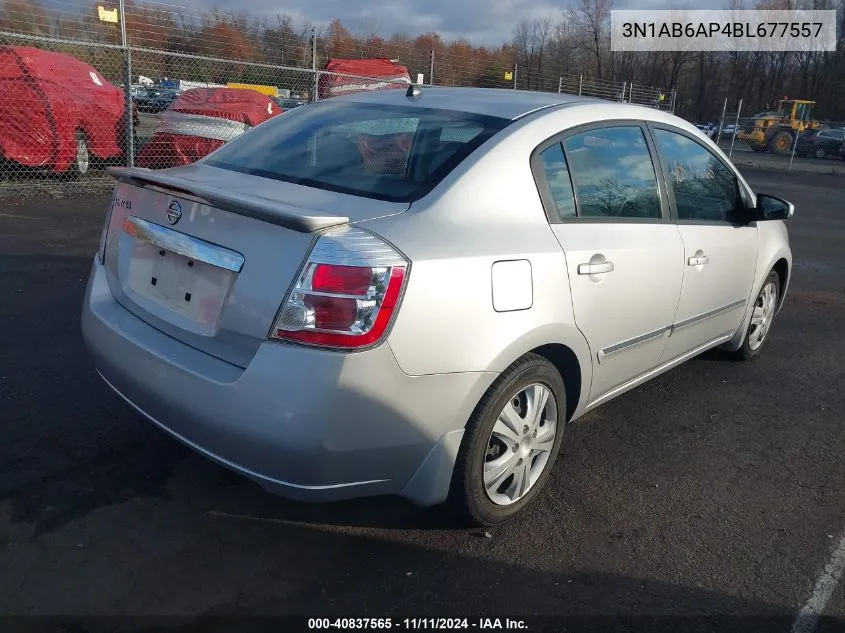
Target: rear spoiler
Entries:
(251, 206)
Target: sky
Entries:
(482, 22)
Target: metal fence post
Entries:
(559, 84)
(514, 76)
(624, 88)
(736, 129)
(795, 144)
(631, 92)
(580, 84)
(431, 67)
(129, 126)
(721, 122)
(674, 96)
(316, 95)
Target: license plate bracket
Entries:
(193, 289)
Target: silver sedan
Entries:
(414, 293)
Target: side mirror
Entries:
(773, 208)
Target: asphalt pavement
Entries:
(711, 498)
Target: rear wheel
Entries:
(511, 443)
(781, 143)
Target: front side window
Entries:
(395, 153)
(704, 187)
(612, 173)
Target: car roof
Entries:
(497, 102)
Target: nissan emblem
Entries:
(174, 212)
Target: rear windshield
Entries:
(390, 153)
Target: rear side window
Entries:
(612, 173)
(393, 153)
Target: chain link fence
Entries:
(159, 86)
(780, 135)
(621, 91)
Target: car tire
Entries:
(767, 301)
(486, 494)
(820, 153)
(82, 156)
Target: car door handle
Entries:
(595, 269)
(698, 260)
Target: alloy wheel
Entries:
(761, 317)
(520, 444)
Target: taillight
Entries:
(347, 293)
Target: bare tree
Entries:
(592, 19)
(530, 41)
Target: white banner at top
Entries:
(722, 30)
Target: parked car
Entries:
(414, 293)
(730, 130)
(821, 143)
(199, 121)
(347, 76)
(59, 113)
(708, 128)
(154, 99)
(290, 104)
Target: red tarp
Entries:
(364, 74)
(46, 99)
(200, 120)
(236, 104)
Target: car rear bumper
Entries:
(308, 424)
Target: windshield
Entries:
(393, 153)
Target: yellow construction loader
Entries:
(775, 131)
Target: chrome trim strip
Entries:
(707, 315)
(618, 347)
(230, 464)
(183, 244)
(654, 372)
(319, 293)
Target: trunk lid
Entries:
(207, 255)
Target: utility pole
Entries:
(431, 67)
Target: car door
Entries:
(623, 254)
(833, 140)
(720, 245)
